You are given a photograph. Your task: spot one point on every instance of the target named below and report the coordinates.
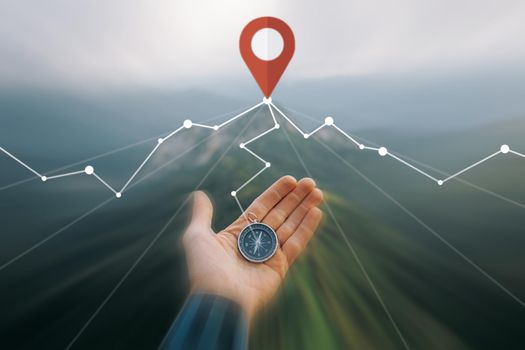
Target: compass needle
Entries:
(257, 242)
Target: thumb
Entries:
(202, 210)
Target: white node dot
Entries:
(268, 164)
(160, 140)
(187, 124)
(440, 182)
(267, 100)
(361, 146)
(306, 136)
(215, 127)
(118, 194)
(44, 178)
(89, 170)
(382, 151)
(276, 126)
(505, 149)
(241, 145)
(233, 193)
(329, 121)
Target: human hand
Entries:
(217, 267)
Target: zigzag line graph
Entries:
(274, 112)
(273, 109)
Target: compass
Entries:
(257, 242)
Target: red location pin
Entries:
(267, 72)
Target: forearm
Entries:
(208, 322)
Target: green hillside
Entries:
(435, 297)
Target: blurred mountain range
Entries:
(438, 300)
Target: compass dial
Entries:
(257, 242)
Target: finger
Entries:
(291, 224)
(300, 238)
(202, 213)
(278, 214)
(269, 198)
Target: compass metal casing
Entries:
(269, 243)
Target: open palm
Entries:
(214, 262)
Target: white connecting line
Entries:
(329, 121)
(89, 170)
(268, 102)
(382, 151)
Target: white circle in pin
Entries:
(267, 44)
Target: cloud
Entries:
(127, 43)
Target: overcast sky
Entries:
(147, 43)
